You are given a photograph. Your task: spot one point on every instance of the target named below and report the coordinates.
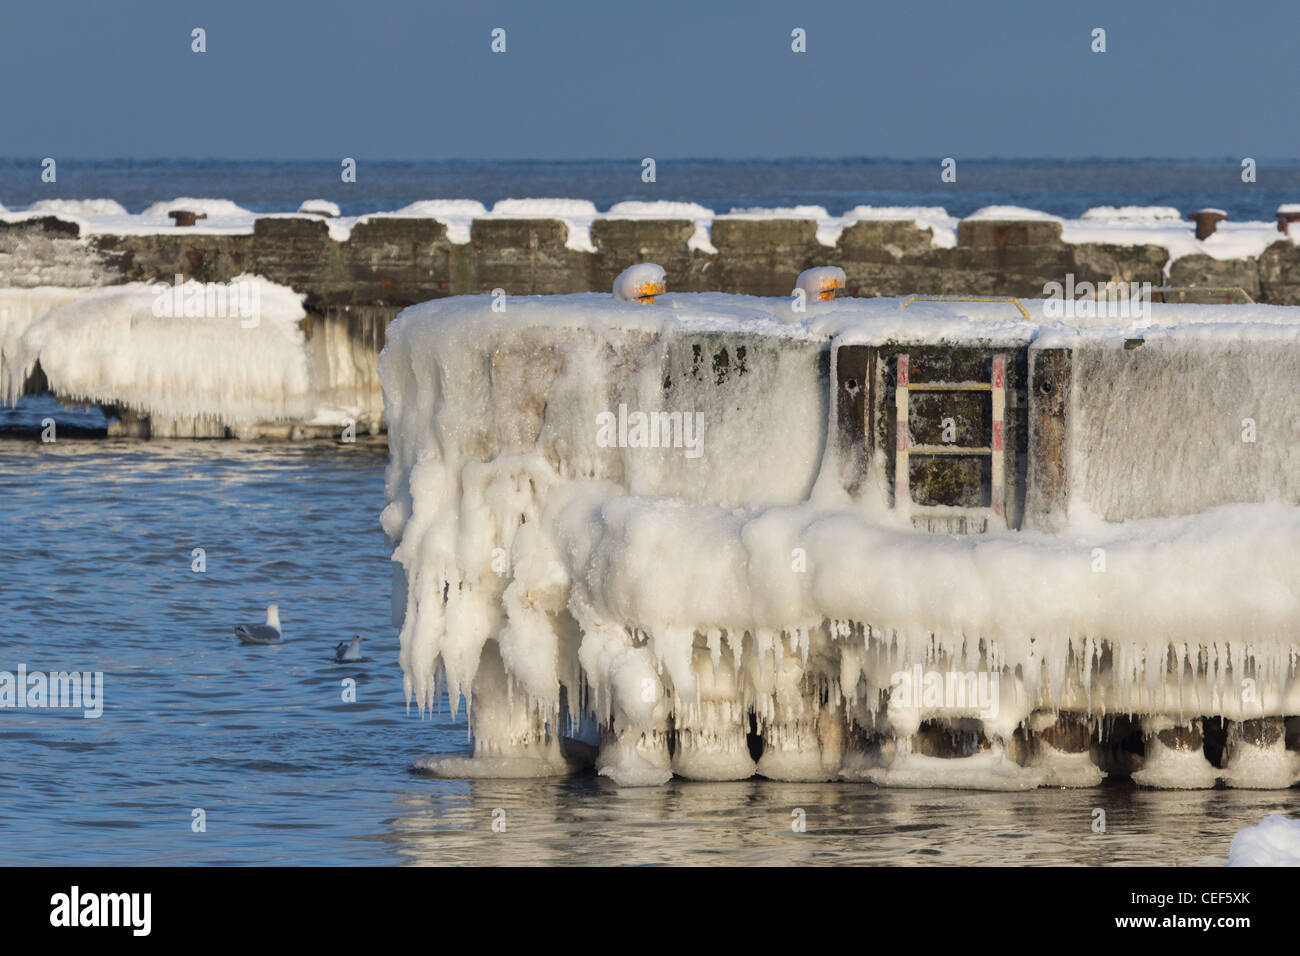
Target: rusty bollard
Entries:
(1286, 215)
(1206, 221)
(185, 217)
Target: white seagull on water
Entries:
(349, 650)
(268, 633)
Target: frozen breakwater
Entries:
(351, 277)
(922, 544)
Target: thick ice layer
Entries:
(19, 310)
(226, 353)
(687, 584)
(1190, 419)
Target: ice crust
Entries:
(657, 603)
(231, 366)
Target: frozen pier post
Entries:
(1256, 756)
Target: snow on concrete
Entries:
(935, 218)
(107, 217)
(1127, 225)
(828, 227)
(321, 207)
(214, 208)
(663, 209)
(79, 207)
(1133, 213)
(577, 214)
(1232, 240)
(1013, 213)
(457, 215)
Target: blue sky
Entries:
(415, 79)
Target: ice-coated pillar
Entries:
(1174, 758)
(1255, 755)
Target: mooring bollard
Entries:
(1207, 220)
(186, 217)
(1287, 214)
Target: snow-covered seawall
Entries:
(673, 533)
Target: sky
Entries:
(416, 79)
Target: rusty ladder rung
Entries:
(971, 450)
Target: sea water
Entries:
(97, 575)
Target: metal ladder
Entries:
(904, 449)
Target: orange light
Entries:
(647, 291)
(827, 292)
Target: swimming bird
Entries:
(268, 633)
(349, 650)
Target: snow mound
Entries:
(780, 212)
(659, 209)
(1013, 213)
(828, 227)
(943, 227)
(79, 207)
(457, 215)
(321, 207)
(664, 209)
(577, 214)
(215, 208)
(1274, 841)
(1133, 213)
(918, 213)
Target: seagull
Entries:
(349, 650)
(268, 633)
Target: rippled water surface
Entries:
(95, 575)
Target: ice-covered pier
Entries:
(911, 542)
